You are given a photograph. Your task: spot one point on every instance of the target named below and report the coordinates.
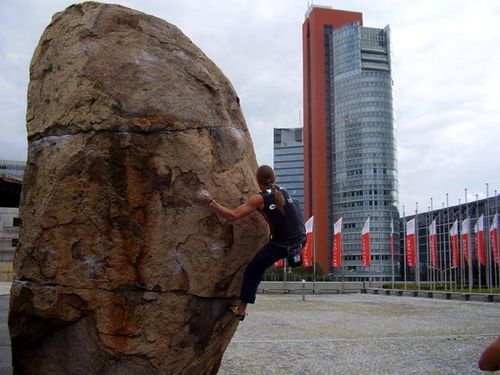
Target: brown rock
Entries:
(119, 269)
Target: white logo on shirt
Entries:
(272, 206)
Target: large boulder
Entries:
(120, 270)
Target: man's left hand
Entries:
(204, 196)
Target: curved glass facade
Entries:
(362, 153)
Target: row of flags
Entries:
(411, 250)
(479, 240)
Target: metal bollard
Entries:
(303, 290)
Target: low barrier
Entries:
(325, 287)
(310, 287)
(464, 296)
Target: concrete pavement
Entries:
(347, 334)
(4, 288)
(361, 334)
(5, 359)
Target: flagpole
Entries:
(443, 252)
(488, 244)
(460, 247)
(391, 245)
(338, 232)
(404, 244)
(428, 270)
(435, 269)
(417, 252)
(284, 275)
(314, 258)
(369, 254)
(476, 237)
(496, 267)
(341, 263)
(449, 246)
(469, 248)
(370, 257)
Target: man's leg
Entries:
(254, 271)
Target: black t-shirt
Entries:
(288, 228)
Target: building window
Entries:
(277, 136)
(298, 135)
(15, 242)
(16, 222)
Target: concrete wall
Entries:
(5, 271)
(9, 233)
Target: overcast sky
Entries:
(446, 72)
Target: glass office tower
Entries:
(350, 166)
(363, 147)
(289, 161)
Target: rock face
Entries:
(119, 269)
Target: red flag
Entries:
(455, 252)
(479, 237)
(337, 244)
(279, 263)
(365, 245)
(391, 241)
(433, 244)
(410, 244)
(465, 239)
(494, 239)
(307, 251)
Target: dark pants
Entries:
(269, 254)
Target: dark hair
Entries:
(267, 178)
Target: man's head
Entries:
(265, 177)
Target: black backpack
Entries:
(294, 252)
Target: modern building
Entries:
(9, 233)
(11, 174)
(10, 192)
(289, 161)
(444, 269)
(350, 167)
(12, 168)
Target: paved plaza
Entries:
(5, 367)
(361, 334)
(348, 334)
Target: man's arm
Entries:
(254, 202)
